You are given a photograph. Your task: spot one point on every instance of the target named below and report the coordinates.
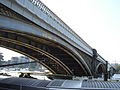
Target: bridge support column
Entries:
(94, 62)
(106, 72)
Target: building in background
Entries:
(30, 66)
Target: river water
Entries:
(43, 77)
(116, 77)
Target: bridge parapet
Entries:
(99, 58)
(66, 29)
(35, 9)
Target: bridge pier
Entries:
(106, 72)
(94, 62)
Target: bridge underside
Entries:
(53, 58)
(57, 58)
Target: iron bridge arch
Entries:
(20, 37)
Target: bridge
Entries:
(29, 27)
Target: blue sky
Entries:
(95, 21)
